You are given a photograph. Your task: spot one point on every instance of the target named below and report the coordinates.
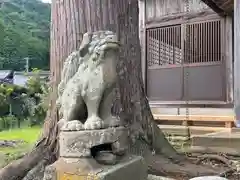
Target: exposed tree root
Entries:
(214, 157)
(18, 169)
(161, 166)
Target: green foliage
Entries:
(38, 105)
(24, 32)
(24, 105)
(34, 82)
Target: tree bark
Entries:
(70, 20)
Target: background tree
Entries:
(25, 32)
(70, 20)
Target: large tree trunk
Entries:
(70, 20)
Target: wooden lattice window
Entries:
(164, 46)
(185, 44)
(203, 42)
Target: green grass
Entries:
(28, 135)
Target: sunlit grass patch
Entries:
(28, 135)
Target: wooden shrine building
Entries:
(191, 56)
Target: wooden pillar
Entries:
(229, 57)
(237, 61)
(142, 33)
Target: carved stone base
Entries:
(129, 168)
(79, 143)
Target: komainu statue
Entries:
(92, 143)
(87, 82)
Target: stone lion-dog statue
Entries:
(87, 81)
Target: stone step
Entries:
(192, 111)
(226, 141)
(179, 130)
(207, 115)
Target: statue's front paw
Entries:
(74, 125)
(94, 122)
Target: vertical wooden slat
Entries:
(168, 47)
(173, 34)
(150, 48)
(178, 45)
(147, 47)
(164, 44)
(161, 45)
(154, 45)
(222, 45)
(182, 37)
(214, 41)
(203, 36)
(205, 43)
(219, 41)
(190, 48)
(211, 39)
(200, 43)
(192, 44)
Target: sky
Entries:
(46, 1)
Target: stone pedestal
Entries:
(77, 161)
(129, 168)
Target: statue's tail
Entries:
(72, 64)
(70, 67)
